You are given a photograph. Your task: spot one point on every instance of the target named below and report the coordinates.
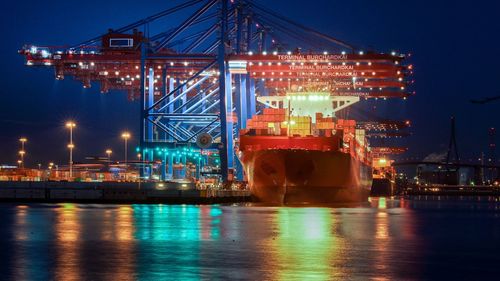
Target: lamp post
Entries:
(22, 152)
(70, 125)
(108, 152)
(126, 136)
(49, 173)
(71, 147)
(140, 167)
(51, 165)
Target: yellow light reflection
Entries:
(382, 238)
(21, 231)
(125, 225)
(20, 234)
(67, 230)
(67, 226)
(305, 246)
(382, 226)
(107, 232)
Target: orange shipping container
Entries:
(279, 118)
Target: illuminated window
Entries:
(121, 42)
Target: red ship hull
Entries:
(299, 176)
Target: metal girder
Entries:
(291, 33)
(184, 93)
(181, 85)
(198, 103)
(196, 122)
(180, 132)
(184, 39)
(211, 106)
(226, 153)
(183, 115)
(207, 34)
(186, 24)
(165, 128)
(202, 129)
(216, 44)
(199, 120)
(202, 38)
(168, 32)
(141, 22)
(186, 135)
(307, 29)
(142, 99)
(185, 131)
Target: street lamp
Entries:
(70, 125)
(22, 152)
(108, 152)
(49, 173)
(126, 136)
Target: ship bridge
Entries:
(309, 103)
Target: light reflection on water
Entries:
(385, 239)
(305, 245)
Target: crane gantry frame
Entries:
(208, 81)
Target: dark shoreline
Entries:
(116, 193)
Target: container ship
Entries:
(299, 153)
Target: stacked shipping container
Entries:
(277, 122)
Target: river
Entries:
(418, 238)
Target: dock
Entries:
(458, 190)
(117, 193)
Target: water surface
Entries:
(385, 239)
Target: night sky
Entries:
(455, 48)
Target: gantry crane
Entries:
(208, 74)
